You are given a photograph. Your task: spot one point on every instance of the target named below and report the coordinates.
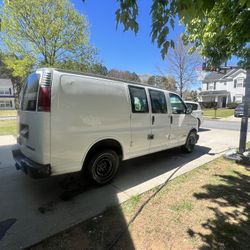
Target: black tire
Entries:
(103, 166)
(190, 142)
(199, 123)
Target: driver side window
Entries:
(177, 105)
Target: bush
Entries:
(232, 105)
(208, 105)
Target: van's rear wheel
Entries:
(103, 166)
(190, 142)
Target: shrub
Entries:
(232, 105)
(208, 105)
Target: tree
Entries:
(163, 82)
(7, 73)
(218, 29)
(194, 95)
(125, 75)
(182, 65)
(95, 68)
(226, 22)
(43, 32)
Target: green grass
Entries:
(182, 206)
(8, 113)
(8, 127)
(220, 113)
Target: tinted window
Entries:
(158, 101)
(30, 93)
(177, 105)
(193, 106)
(139, 101)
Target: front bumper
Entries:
(29, 167)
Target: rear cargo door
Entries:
(34, 125)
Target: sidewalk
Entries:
(229, 119)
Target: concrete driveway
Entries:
(31, 210)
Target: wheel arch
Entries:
(107, 143)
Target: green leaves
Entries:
(44, 32)
(217, 28)
(127, 15)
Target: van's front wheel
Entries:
(103, 166)
(190, 142)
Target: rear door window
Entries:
(30, 91)
(138, 98)
(158, 101)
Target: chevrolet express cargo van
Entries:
(77, 122)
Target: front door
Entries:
(224, 101)
(179, 120)
(140, 121)
(160, 121)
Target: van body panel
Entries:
(34, 126)
(140, 128)
(36, 145)
(86, 110)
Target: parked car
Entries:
(77, 122)
(239, 110)
(196, 111)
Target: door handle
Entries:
(171, 119)
(153, 120)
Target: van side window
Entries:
(138, 98)
(177, 105)
(158, 101)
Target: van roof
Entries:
(103, 77)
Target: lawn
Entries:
(8, 127)
(8, 113)
(220, 113)
(207, 208)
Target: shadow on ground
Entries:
(230, 228)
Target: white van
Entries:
(77, 122)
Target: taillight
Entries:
(44, 99)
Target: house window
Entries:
(5, 91)
(234, 99)
(214, 85)
(240, 82)
(235, 82)
(211, 86)
(5, 104)
(225, 83)
(238, 98)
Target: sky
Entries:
(118, 49)
(125, 50)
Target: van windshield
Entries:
(30, 91)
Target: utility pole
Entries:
(244, 120)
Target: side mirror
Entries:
(189, 110)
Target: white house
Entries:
(7, 98)
(223, 88)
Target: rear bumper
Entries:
(29, 167)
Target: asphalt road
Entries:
(225, 125)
